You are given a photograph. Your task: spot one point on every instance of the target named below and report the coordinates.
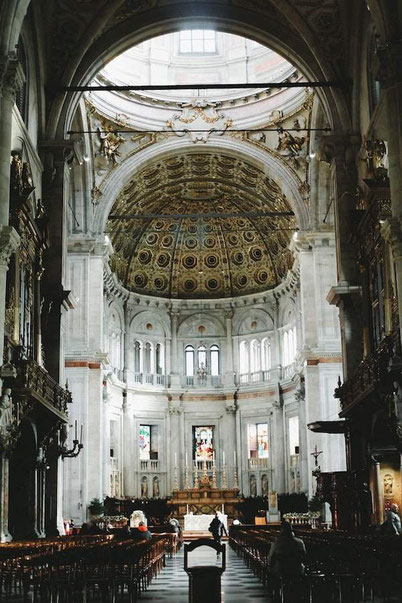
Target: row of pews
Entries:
(339, 566)
(81, 568)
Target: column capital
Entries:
(392, 233)
(9, 242)
(12, 76)
(390, 65)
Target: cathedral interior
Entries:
(200, 267)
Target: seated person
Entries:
(141, 533)
(288, 553)
(143, 529)
(175, 525)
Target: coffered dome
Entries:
(201, 225)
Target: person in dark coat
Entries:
(287, 553)
(217, 528)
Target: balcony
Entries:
(149, 465)
(255, 377)
(150, 379)
(254, 464)
(33, 383)
(201, 382)
(288, 371)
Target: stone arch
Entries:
(140, 319)
(243, 320)
(187, 325)
(270, 28)
(118, 177)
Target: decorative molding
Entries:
(9, 243)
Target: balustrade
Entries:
(258, 463)
(149, 465)
(255, 377)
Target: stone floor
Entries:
(238, 583)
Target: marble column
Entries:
(339, 150)
(229, 371)
(377, 499)
(12, 80)
(5, 535)
(174, 360)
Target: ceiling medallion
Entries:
(199, 119)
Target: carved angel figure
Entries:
(288, 144)
(6, 410)
(110, 142)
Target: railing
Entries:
(149, 465)
(149, 379)
(254, 377)
(207, 381)
(288, 371)
(258, 463)
(34, 380)
(200, 465)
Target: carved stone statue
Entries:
(110, 142)
(6, 411)
(16, 173)
(155, 488)
(264, 485)
(144, 487)
(253, 486)
(289, 145)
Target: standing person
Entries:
(217, 528)
(287, 553)
(392, 523)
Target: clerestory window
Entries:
(200, 41)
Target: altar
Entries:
(200, 523)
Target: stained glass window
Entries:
(189, 359)
(214, 360)
(258, 440)
(145, 442)
(203, 443)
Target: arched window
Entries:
(244, 357)
(189, 359)
(285, 359)
(147, 358)
(137, 357)
(265, 354)
(214, 360)
(254, 356)
(158, 359)
(202, 357)
(294, 343)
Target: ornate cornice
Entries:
(12, 76)
(9, 243)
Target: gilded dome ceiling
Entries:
(200, 226)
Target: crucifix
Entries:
(316, 454)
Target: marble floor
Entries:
(238, 583)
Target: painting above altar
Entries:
(204, 443)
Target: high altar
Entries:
(198, 505)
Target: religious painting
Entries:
(203, 438)
(258, 440)
(145, 442)
(390, 484)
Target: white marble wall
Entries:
(102, 394)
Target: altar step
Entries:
(188, 535)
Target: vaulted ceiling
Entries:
(201, 225)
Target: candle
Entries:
(213, 457)
(234, 457)
(75, 430)
(186, 460)
(175, 459)
(81, 432)
(223, 458)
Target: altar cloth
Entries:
(200, 523)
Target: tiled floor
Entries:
(238, 583)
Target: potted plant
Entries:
(96, 507)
